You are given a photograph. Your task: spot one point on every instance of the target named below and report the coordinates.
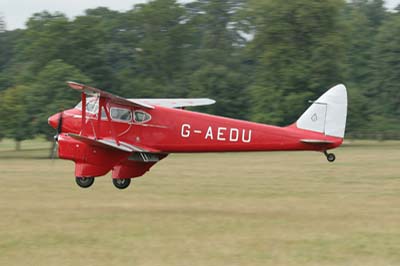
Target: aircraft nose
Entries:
(53, 120)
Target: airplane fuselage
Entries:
(174, 131)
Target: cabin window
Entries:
(121, 114)
(103, 114)
(141, 117)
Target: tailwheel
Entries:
(84, 182)
(121, 183)
(330, 156)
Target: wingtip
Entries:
(76, 86)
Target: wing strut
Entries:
(104, 98)
(101, 106)
(109, 120)
(83, 96)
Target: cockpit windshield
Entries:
(92, 105)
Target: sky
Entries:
(17, 12)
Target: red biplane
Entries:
(105, 132)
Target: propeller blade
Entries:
(54, 151)
(59, 131)
(60, 122)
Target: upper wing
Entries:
(114, 98)
(143, 103)
(176, 103)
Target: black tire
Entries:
(331, 157)
(84, 182)
(121, 183)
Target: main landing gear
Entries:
(121, 183)
(330, 156)
(84, 182)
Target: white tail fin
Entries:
(328, 114)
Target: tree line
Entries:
(261, 60)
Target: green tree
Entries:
(213, 67)
(222, 84)
(374, 10)
(15, 116)
(50, 93)
(92, 49)
(154, 36)
(384, 82)
(298, 53)
(2, 24)
(214, 35)
(357, 62)
(9, 70)
(363, 19)
(46, 38)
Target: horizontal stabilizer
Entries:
(316, 141)
(111, 144)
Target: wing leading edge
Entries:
(176, 103)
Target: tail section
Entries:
(328, 114)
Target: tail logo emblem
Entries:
(314, 118)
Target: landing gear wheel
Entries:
(84, 182)
(330, 156)
(121, 183)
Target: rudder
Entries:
(328, 114)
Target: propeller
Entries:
(59, 131)
(59, 125)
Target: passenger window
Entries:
(121, 114)
(141, 117)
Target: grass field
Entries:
(206, 209)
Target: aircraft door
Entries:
(116, 122)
